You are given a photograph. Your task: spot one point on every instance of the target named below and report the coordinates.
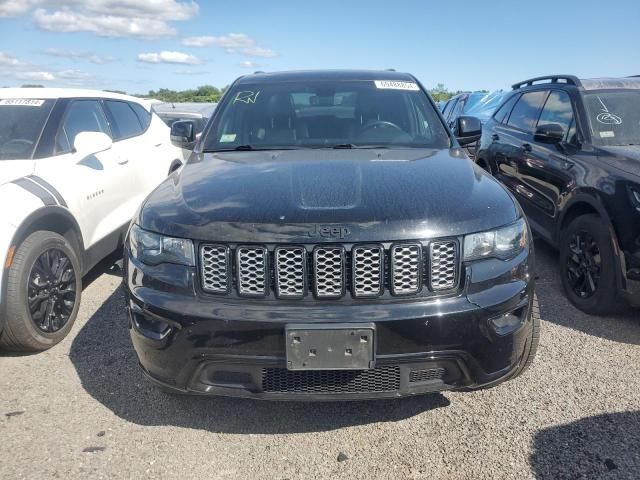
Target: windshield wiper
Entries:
(344, 145)
(247, 148)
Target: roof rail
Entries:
(568, 79)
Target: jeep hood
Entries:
(284, 196)
(625, 158)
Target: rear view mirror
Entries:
(467, 130)
(550, 133)
(90, 143)
(183, 134)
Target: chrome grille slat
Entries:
(443, 265)
(215, 268)
(290, 272)
(406, 263)
(251, 265)
(328, 265)
(367, 271)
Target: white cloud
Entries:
(79, 55)
(102, 25)
(7, 60)
(232, 40)
(114, 18)
(38, 76)
(259, 52)
(75, 76)
(250, 64)
(12, 8)
(169, 57)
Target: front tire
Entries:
(44, 287)
(587, 266)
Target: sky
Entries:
(142, 45)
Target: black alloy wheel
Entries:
(583, 264)
(51, 290)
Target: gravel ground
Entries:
(83, 410)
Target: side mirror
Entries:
(183, 134)
(90, 143)
(467, 130)
(551, 133)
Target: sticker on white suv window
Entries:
(395, 85)
(22, 102)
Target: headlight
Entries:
(153, 249)
(503, 243)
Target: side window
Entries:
(125, 121)
(81, 116)
(143, 115)
(448, 107)
(503, 112)
(457, 110)
(525, 113)
(557, 110)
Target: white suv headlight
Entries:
(153, 249)
(503, 243)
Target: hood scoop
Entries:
(331, 187)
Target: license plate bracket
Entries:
(342, 346)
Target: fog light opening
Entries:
(508, 322)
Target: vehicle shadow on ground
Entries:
(623, 327)
(106, 363)
(604, 446)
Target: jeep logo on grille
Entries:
(328, 231)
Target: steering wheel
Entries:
(373, 124)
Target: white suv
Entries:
(74, 167)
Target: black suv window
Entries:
(503, 112)
(557, 110)
(525, 112)
(82, 116)
(143, 115)
(126, 123)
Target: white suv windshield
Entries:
(21, 122)
(308, 114)
(614, 117)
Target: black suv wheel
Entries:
(587, 265)
(43, 293)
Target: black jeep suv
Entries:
(329, 239)
(569, 150)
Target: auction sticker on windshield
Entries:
(23, 102)
(395, 85)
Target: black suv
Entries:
(329, 239)
(569, 150)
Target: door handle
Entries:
(495, 137)
(123, 161)
(526, 147)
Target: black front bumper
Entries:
(192, 344)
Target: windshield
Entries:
(21, 122)
(338, 114)
(484, 108)
(614, 117)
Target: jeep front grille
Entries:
(367, 271)
(330, 271)
(215, 268)
(406, 262)
(290, 272)
(252, 271)
(444, 265)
